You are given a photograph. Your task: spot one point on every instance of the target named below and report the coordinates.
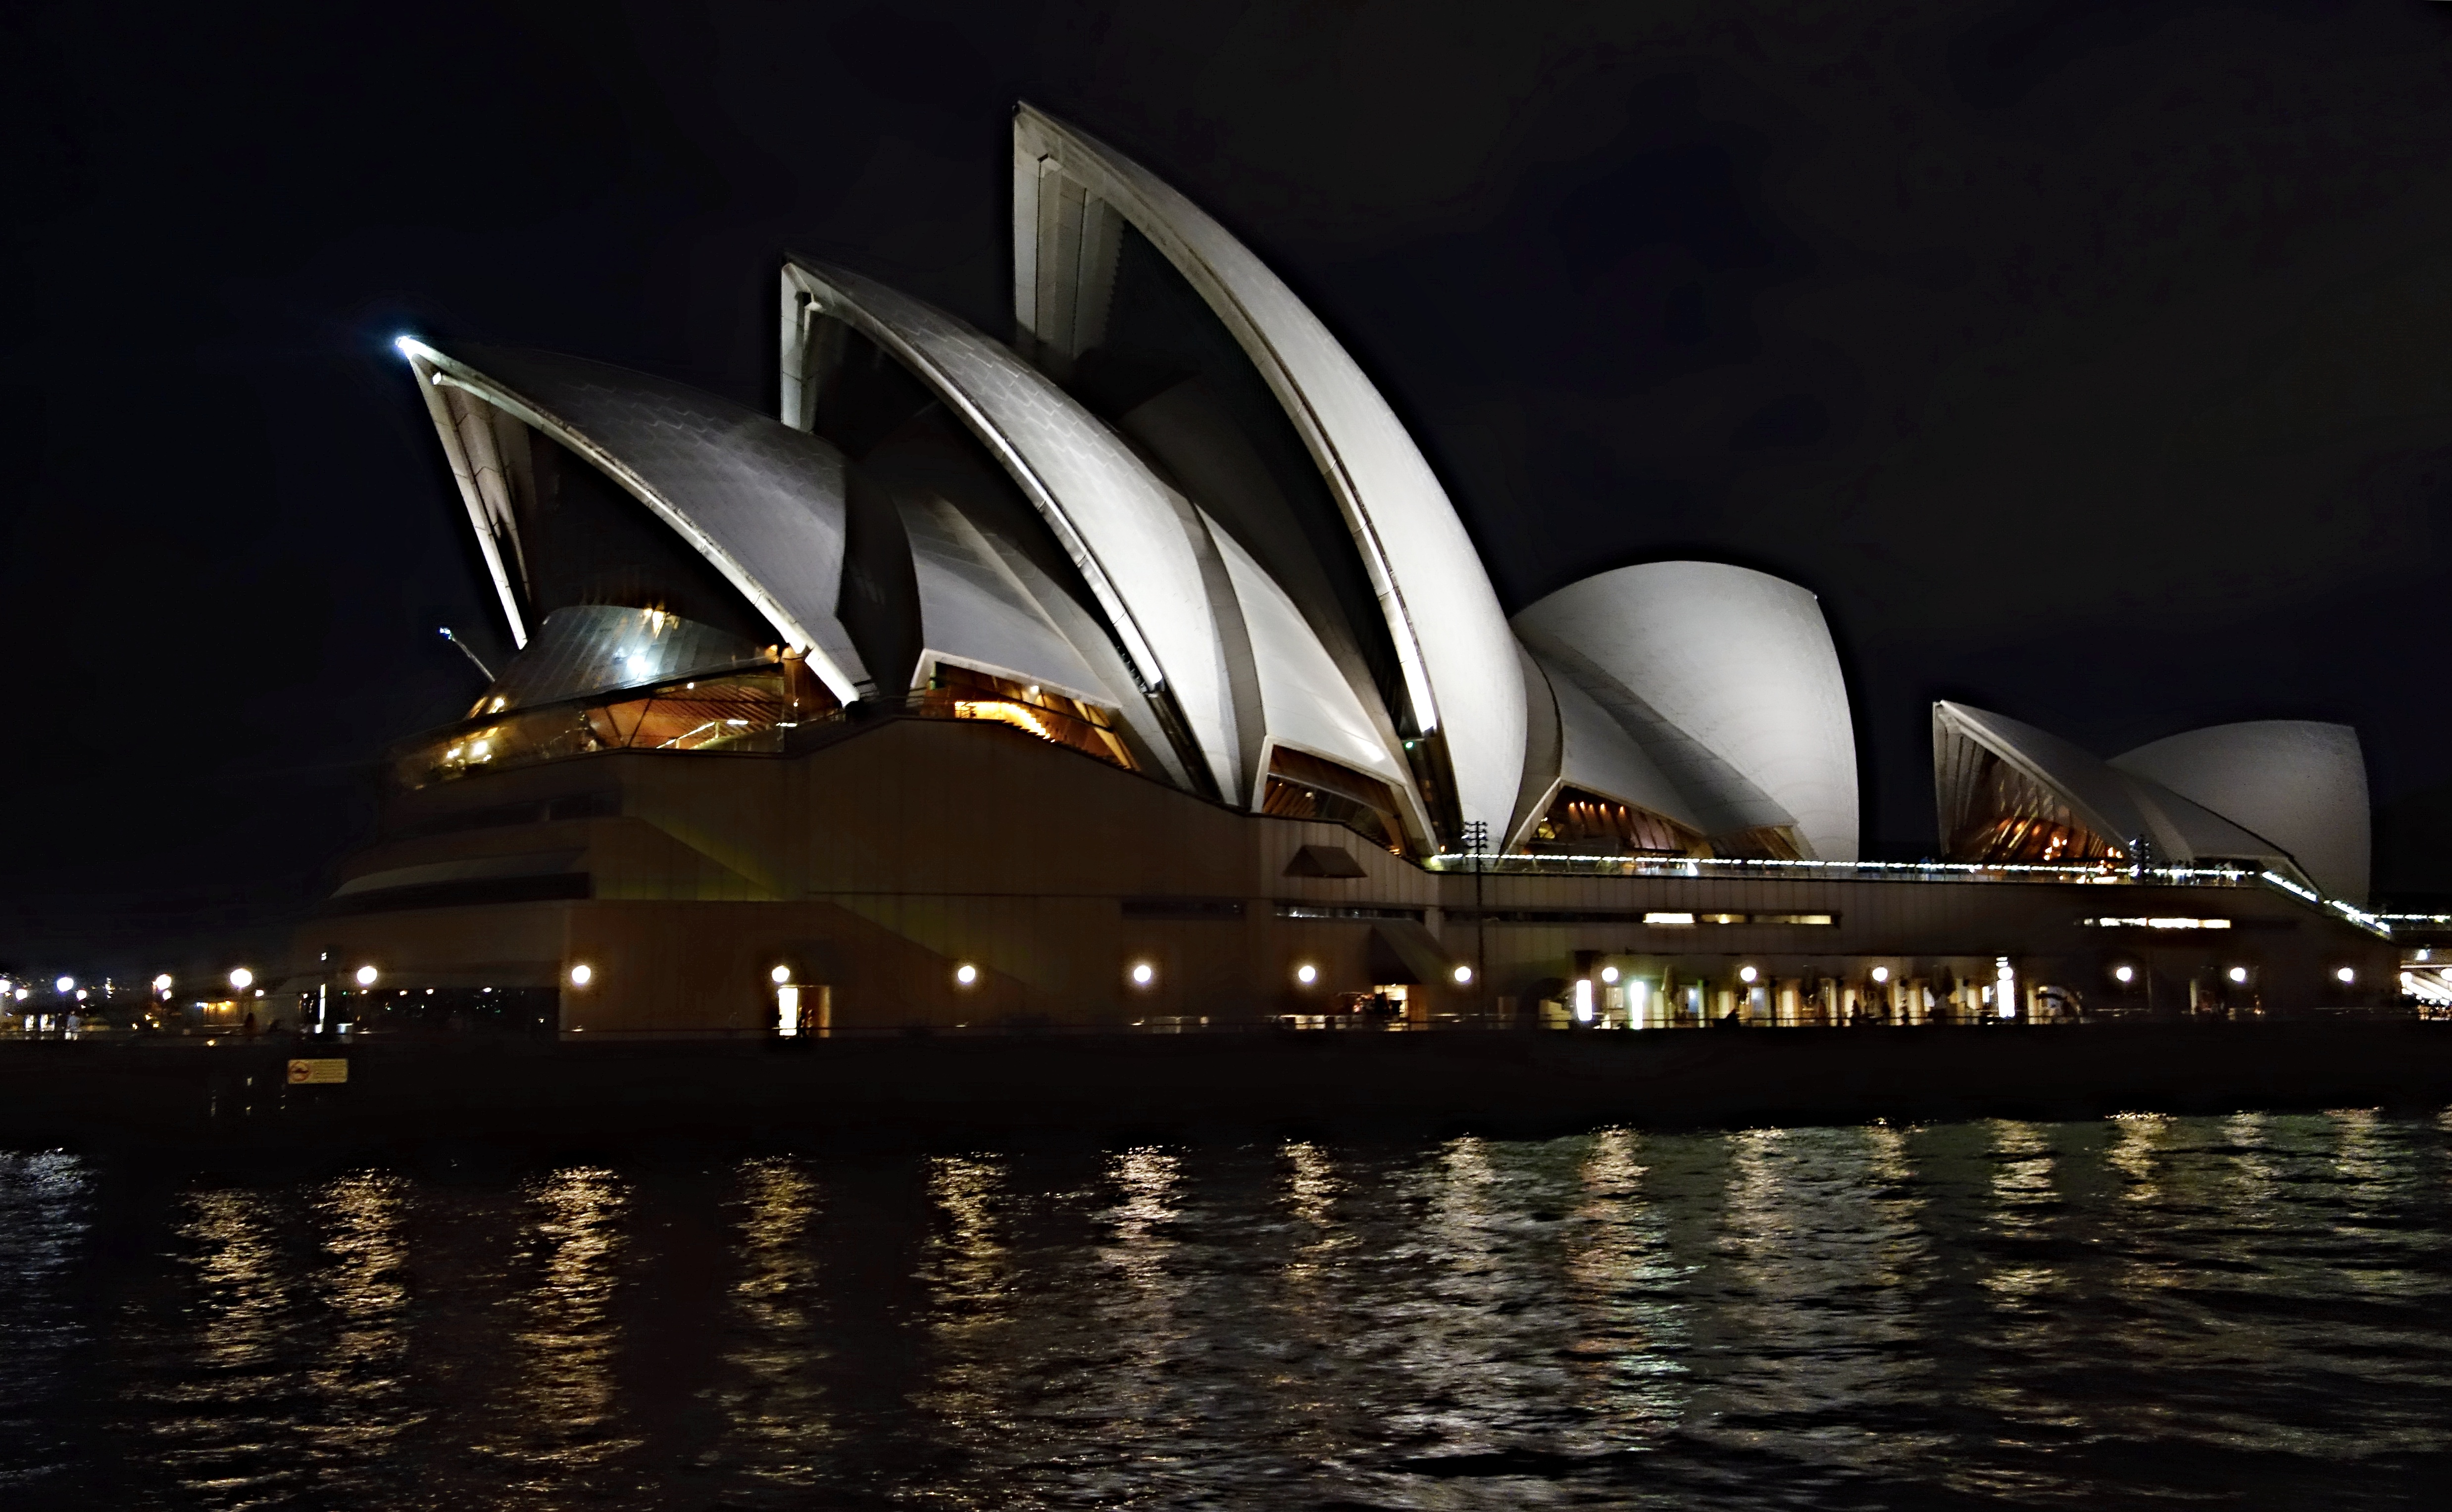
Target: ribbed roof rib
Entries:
(1450, 635)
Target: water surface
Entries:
(2245, 1311)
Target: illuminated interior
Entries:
(964, 693)
(1302, 786)
(2012, 818)
(1588, 824)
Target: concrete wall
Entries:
(878, 866)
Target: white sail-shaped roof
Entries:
(1305, 701)
(1727, 679)
(2298, 783)
(1450, 634)
(761, 502)
(2119, 806)
(1136, 542)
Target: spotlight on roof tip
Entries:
(242, 979)
(366, 976)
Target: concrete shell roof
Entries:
(1130, 533)
(1727, 677)
(759, 501)
(2115, 804)
(1305, 701)
(1450, 632)
(2300, 784)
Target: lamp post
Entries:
(1477, 839)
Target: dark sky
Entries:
(2093, 361)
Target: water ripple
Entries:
(2243, 1311)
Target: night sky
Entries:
(2093, 362)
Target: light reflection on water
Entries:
(2248, 1310)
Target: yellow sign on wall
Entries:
(318, 1073)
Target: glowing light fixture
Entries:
(242, 979)
(1609, 974)
(1306, 974)
(1143, 973)
(162, 983)
(1881, 974)
(65, 985)
(582, 974)
(366, 975)
(966, 974)
(1583, 999)
(2239, 973)
(2006, 998)
(1745, 974)
(2125, 975)
(779, 976)
(1464, 976)
(2346, 976)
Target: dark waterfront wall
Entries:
(184, 1099)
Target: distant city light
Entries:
(1306, 974)
(966, 974)
(2239, 973)
(779, 976)
(162, 983)
(242, 979)
(1464, 974)
(65, 985)
(582, 974)
(1143, 973)
(366, 975)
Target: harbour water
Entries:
(2253, 1311)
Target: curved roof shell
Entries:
(2301, 784)
(1135, 539)
(1305, 701)
(761, 502)
(2119, 806)
(1450, 634)
(1727, 681)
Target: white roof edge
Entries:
(794, 634)
(1459, 659)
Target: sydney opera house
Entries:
(1135, 671)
